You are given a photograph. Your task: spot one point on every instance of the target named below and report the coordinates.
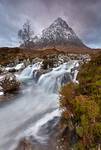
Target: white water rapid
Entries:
(38, 104)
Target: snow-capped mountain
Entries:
(58, 34)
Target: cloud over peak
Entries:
(82, 15)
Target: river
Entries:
(35, 106)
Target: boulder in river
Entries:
(9, 83)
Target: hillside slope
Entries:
(81, 109)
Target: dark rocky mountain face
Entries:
(58, 34)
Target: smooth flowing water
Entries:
(38, 104)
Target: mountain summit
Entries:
(58, 34)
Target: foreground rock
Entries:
(9, 84)
(51, 129)
(25, 145)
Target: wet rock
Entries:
(51, 129)
(9, 83)
(12, 70)
(1, 69)
(19, 67)
(25, 145)
(26, 62)
(35, 60)
(38, 73)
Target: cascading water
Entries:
(35, 107)
(27, 73)
(52, 81)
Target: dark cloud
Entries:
(82, 15)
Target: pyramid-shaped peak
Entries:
(60, 22)
(60, 34)
(59, 19)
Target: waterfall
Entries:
(52, 81)
(27, 73)
(37, 105)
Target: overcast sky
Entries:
(84, 16)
